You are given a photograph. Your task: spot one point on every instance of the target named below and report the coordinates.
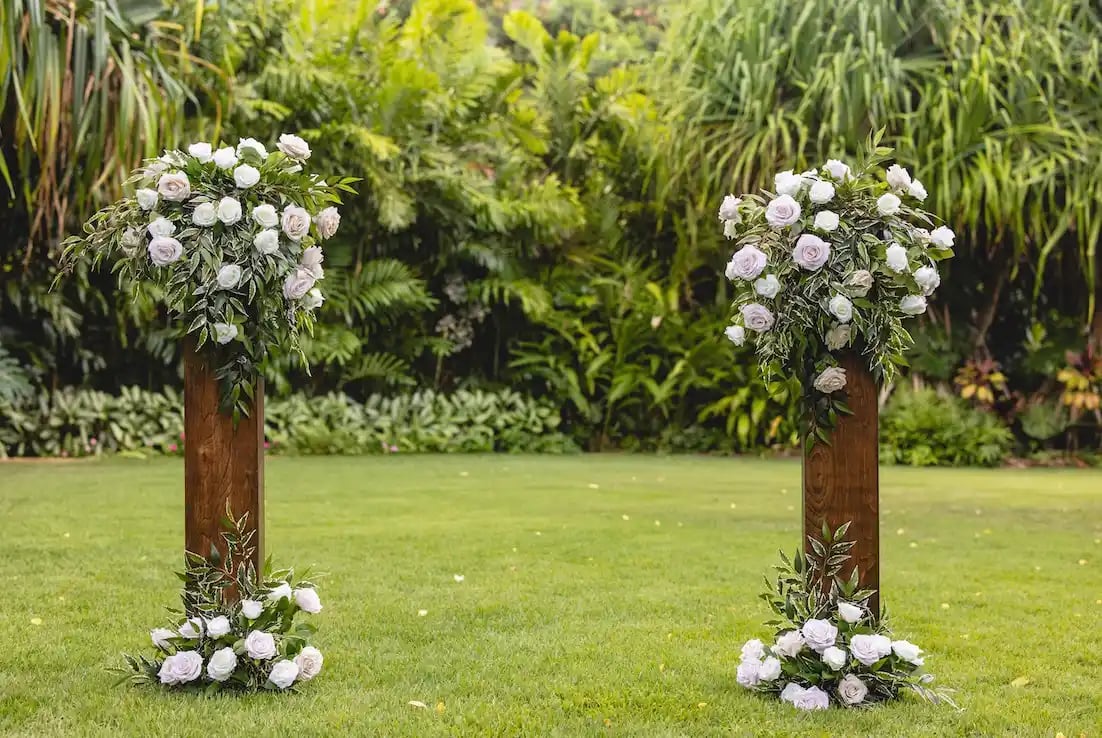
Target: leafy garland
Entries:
(229, 240)
(237, 631)
(832, 260)
(830, 647)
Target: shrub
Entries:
(923, 428)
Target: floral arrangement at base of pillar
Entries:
(833, 259)
(829, 647)
(237, 631)
(229, 239)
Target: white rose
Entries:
(180, 668)
(921, 235)
(282, 592)
(246, 176)
(852, 690)
(768, 286)
(205, 214)
(736, 334)
(132, 238)
(826, 220)
(328, 221)
(229, 210)
(222, 664)
(747, 263)
(841, 308)
(831, 379)
(313, 299)
(161, 636)
(913, 305)
(868, 649)
(147, 198)
(849, 612)
(267, 242)
(251, 609)
(293, 147)
(730, 229)
(728, 209)
(838, 336)
(201, 151)
(307, 599)
(898, 177)
(811, 252)
(298, 283)
(943, 236)
(161, 228)
(757, 317)
(821, 192)
(888, 204)
(174, 186)
(791, 691)
(896, 258)
(224, 332)
(787, 183)
(247, 145)
(224, 158)
(155, 167)
(747, 674)
(837, 169)
(296, 222)
(260, 645)
(218, 626)
(811, 698)
(928, 279)
(284, 673)
(309, 661)
(789, 644)
(265, 216)
(192, 628)
(753, 649)
(782, 211)
(908, 652)
(834, 657)
(229, 276)
(770, 669)
(164, 251)
(860, 282)
(311, 261)
(917, 190)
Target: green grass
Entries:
(604, 595)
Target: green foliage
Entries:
(925, 428)
(75, 422)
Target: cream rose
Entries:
(328, 221)
(163, 251)
(860, 282)
(296, 222)
(293, 147)
(811, 252)
(311, 261)
(298, 283)
(782, 211)
(757, 317)
(852, 690)
(309, 661)
(838, 336)
(831, 379)
(841, 308)
(174, 186)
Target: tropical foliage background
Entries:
(537, 210)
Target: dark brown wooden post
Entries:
(222, 463)
(841, 481)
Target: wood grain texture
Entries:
(842, 480)
(221, 463)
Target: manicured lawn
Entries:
(603, 595)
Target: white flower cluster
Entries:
(831, 259)
(841, 659)
(244, 644)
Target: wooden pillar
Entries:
(841, 481)
(222, 463)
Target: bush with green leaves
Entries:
(74, 422)
(926, 428)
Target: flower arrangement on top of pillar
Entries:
(230, 238)
(833, 259)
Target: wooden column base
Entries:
(841, 481)
(222, 463)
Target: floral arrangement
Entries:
(229, 239)
(237, 631)
(830, 647)
(833, 259)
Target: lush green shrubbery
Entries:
(77, 422)
(925, 428)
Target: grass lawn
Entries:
(603, 595)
